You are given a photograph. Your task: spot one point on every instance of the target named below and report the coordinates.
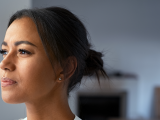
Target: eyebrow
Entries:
(18, 43)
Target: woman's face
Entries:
(26, 63)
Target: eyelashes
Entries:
(3, 52)
(21, 51)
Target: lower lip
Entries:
(7, 83)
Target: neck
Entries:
(52, 107)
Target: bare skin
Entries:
(37, 85)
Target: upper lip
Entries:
(5, 79)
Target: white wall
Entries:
(129, 32)
(7, 8)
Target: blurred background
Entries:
(128, 32)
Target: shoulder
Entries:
(23, 119)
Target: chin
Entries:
(11, 99)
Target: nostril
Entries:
(6, 69)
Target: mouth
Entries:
(7, 82)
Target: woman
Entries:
(46, 53)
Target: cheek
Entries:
(36, 76)
(35, 67)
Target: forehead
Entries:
(22, 29)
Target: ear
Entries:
(69, 67)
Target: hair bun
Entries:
(94, 64)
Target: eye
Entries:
(3, 52)
(23, 51)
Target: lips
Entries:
(7, 82)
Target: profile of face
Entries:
(27, 71)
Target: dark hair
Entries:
(64, 35)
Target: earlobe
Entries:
(60, 78)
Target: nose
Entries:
(7, 64)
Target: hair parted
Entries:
(64, 35)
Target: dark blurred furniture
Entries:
(102, 106)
